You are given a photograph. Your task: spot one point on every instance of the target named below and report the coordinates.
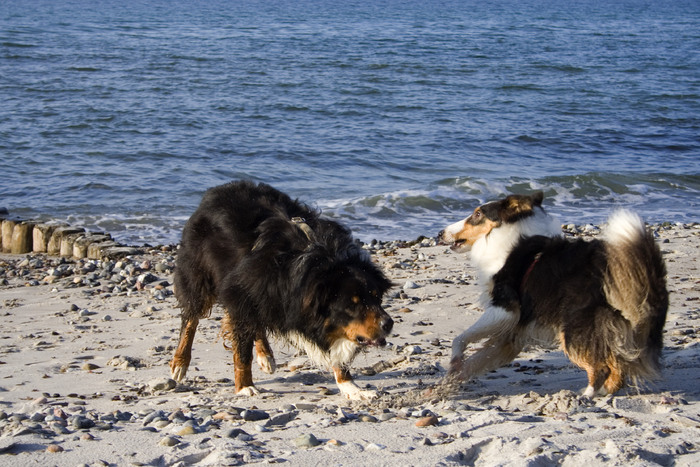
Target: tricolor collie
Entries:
(277, 267)
(603, 301)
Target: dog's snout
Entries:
(387, 323)
(440, 234)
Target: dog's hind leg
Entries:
(183, 353)
(494, 321)
(263, 353)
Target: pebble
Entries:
(252, 415)
(238, 433)
(54, 448)
(162, 384)
(306, 441)
(412, 350)
(169, 441)
(375, 447)
(187, 430)
(282, 419)
(430, 420)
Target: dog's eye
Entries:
(477, 215)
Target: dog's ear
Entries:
(537, 198)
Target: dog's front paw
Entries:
(267, 363)
(353, 392)
(248, 391)
(177, 372)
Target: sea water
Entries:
(396, 117)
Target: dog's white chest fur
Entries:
(341, 353)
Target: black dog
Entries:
(277, 267)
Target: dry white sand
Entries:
(84, 380)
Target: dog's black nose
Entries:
(387, 324)
(440, 234)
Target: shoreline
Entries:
(86, 381)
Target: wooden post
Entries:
(22, 238)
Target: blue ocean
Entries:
(395, 117)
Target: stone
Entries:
(251, 415)
(187, 430)
(54, 448)
(169, 441)
(22, 238)
(306, 441)
(282, 419)
(238, 433)
(120, 251)
(430, 420)
(162, 384)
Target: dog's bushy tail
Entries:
(635, 284)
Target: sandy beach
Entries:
(84, 378)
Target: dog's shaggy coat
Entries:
(277, 268)
(604, 302)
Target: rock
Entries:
(412, 350)
(237, 433)
(306, 441)
(54, 448)
(410, 285)
(251, 415)
(187, 430)
(282, 419)
(89, 366)
(162, 384)
(169, 441)
(430, 420)
(375, 447)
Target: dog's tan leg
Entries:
(243, 376)
(263, 353)
(183, 353)
(597, 373)
(348, 388)
(615, 379)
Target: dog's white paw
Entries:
(267, 364)
(178, 373)
(248, 391)
(353, 392)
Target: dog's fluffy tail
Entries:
(635, 284)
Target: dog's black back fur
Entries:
(241, 248)
(559, 284)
